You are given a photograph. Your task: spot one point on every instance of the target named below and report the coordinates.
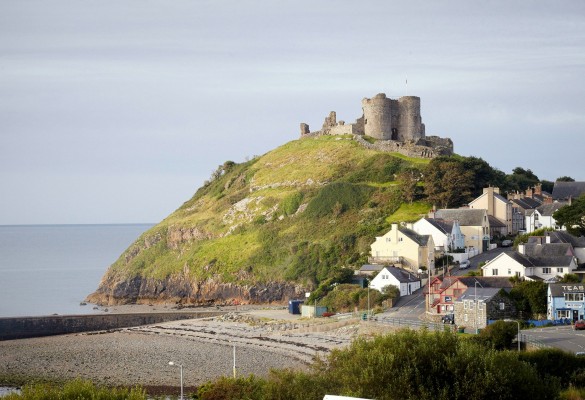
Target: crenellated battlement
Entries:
(397, 121)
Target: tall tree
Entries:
(484, 175)
(521, 179)
(408, 180)
(448, 183)
(565, 179)
(572, 217)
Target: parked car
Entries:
(464, 264)
(448, 319)
(579, 325)
(506, 243)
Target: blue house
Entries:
(566, 300)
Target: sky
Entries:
(117, 111)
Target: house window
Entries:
(546, 270)
(502, 306)
(400, 239)
(471, 305)
(563, 314)
(509, 271)
(495, 272)
(573, 296)
(465, 317)
(465, 305)
(518, 274)
(560, 270)
(388, 240)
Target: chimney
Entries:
(529, 192)
(548, 200)
(538, 189)
(521, 248)
(432, 212)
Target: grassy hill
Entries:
(294, 214)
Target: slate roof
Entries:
(549, 209)
(526, 203)
(566, 237)
(528, 261)
(421, 240)
(500, 197)
(483, 294)
(566, 190)
(465, 216)
(495, 223)
(442, 225)
(371, 268)
(482, 281)
(556, 289)
(402, 275)
(548, 249)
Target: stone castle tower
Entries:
(395, 123)
(389, 119)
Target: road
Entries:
(561, 337)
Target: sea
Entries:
(50, 269)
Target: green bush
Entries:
(290, 204)
(339, 196)
(76, 390)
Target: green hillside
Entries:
(295, 214)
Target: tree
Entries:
(565, 179)
(530, 297)
(484, 175)
(572, 217)
(448, 183)
(570, 278)
(407, 183)
(547, 186)
(521, 179)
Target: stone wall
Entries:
(409, 149)
(19, 328)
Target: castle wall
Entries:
(378, 117)
(410, 120)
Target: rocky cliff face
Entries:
(181, 290)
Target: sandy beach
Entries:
(263, 339)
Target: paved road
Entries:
(562, 337)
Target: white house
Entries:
(398, 277)
(545, 262)
(542, 217)
(474, 225)
(447, 235)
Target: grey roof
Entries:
(549, 209)
(523, 260)
(566, 237)
(441, 224)
(566, 190)
(495, 223)
(371, 267)
(465, 216)
(487, 281)
(402, 275)
(483, 294)
(500, 197)
(526, 203)
(548, 249)
(421, 240)
(540, 260)
(559, 289)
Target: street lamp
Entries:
(234, 361)
(518, 322)
(181, 367)
(368, 301)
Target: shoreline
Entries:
(263, 339)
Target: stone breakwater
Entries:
(204, 347)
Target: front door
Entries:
(575, 315)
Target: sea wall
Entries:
(27, 327)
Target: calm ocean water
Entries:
(48, 269)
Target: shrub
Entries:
(338, 196)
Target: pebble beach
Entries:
(205, 348)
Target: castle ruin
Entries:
(395, 124)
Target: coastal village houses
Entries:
(443, 291)
(542, 217)
(404, 246)
(447, 235)
(535, 260)
(474, 225)
(566, 300)
(497, 207)
(478, 305)
(405, 281)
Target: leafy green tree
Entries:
(448, 183)
(570, 278)
(572, 217)
(547, 186)
(408, 180)
(500, 334)
(565, 179)
(521, 179)
(484, 175)
(530, 297)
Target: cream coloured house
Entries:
(496, 205)
(404, 246)
(474, 225)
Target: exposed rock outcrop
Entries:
(182, 290)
